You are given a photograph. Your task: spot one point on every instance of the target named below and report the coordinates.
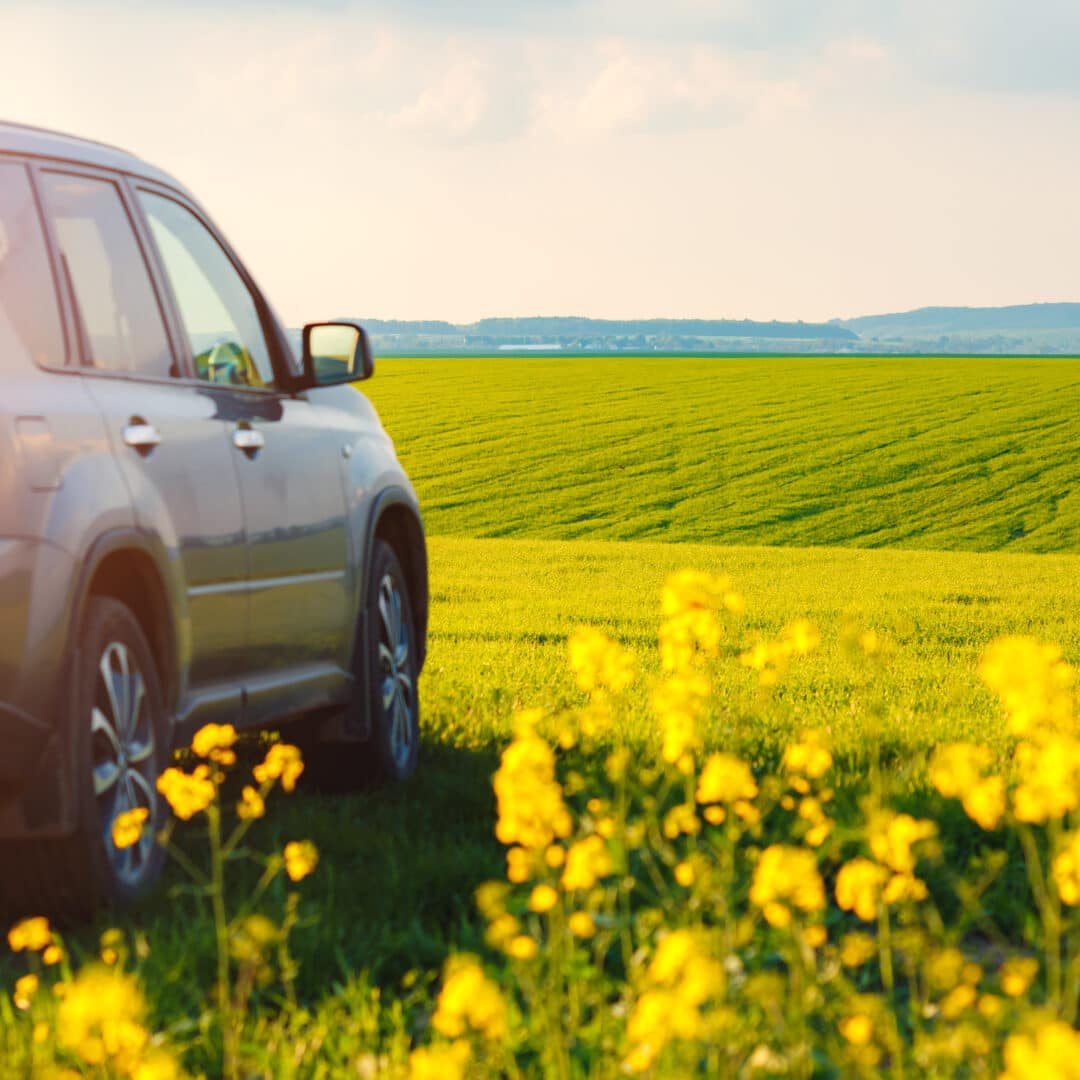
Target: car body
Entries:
(227, 494)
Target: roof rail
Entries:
(62, 134)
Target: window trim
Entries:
(52, 261)
(117, 180)
(283, 373)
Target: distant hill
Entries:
(1023, 329)
(571, 332)
(965, 320)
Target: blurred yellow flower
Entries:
(469, 1000)
(531, 811)
(598, 663)
(301, 858)
(25, 989)
(684, 874)
(1017, 975)
(808, 757)
(858, 887)
(33, 934)
(1049, 773)
(100, 1019)
(128, 826)
(581, 924)
(1066, 869)
(53, 954)
(892, 836)
(801, 637)
(1051, 1050)
(857, 1029)
(251, 804)
(543, 898)
(1032, 681)
(522, 947)
(215, 741)
(440, 1062)
(282, 762)
(187, 793)
(856, 948)
(689, 603)
(677, 703)
(725, 778)
(958, 1001)
(786, 877)
(586, 862)
(500, 930)
(519, 865)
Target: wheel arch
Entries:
(396, 521)
(124, 565)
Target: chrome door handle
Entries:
(142, 437)
(248, 440)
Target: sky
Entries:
(788, 159)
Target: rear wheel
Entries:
(119, 741)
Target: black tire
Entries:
(119, 739)
(391, 754)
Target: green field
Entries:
(943, 453)
(559, 493)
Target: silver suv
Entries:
(195, 525)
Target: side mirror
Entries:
(335, 353)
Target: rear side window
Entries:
(120, 322)
(30, 325)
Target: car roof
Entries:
(40, 142)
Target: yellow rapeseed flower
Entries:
(725, 779)
(531, 811)
(586, 862)
(801, 637)
(892, 836)
(301, 858)
(858, 887)
(684, 874)
(469, 1000)
(215, 741)
(808, 757)
(128, 826)
(32, 934)
(187, 793)
(1032, 681)
(543, 898)
(1066, 870)
(1017, 975)
(53, 954)
(857, 948)
(282, 762)
(251, 804)
(1051, 1050)
(678, 702)
(1049, 773)
(689, 603)
(522, 947)
(581, 924)
(100, 1019)
(25, 989)
(858, 1029)
(440, 1062)
(598, 663)
(786, 877)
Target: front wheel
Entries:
(387, 675)
(395, 705)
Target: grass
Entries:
(948, 453)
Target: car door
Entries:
(289, 468)
(167, 431)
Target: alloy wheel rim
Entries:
(122, 756)
(398, 694)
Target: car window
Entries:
(219, 313)
(120, 321)
(30, 324)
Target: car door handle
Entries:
(248, 440)
(141, 436)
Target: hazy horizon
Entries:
(727, 159)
